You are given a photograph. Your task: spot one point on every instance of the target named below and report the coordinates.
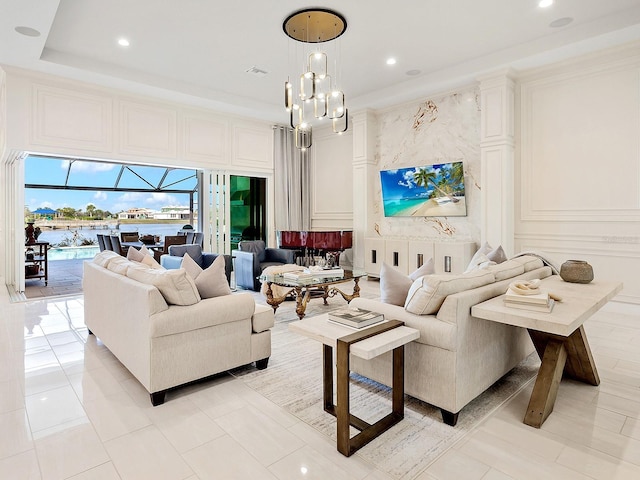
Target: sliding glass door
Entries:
(237, 209)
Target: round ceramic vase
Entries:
(576, 271)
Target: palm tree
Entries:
(456, 174)
(423, 177)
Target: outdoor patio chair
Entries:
(168, 241)
(198, 238)
(116, 246)
(189, 236)
(107, 242)
(129, 237)
(100, 238)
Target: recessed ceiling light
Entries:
(123, 42)
(545, 3)
(28, 31)
(413, 72)
(561, 22)
(391, 61)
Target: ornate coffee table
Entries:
(301, 289)
(558, 336)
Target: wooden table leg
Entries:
(327, 379)
(342, 404)
(397, 383)
(580, 364)
(545, 389)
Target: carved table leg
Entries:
(325, 295)
(347, 297)
(275, 301)
(301, 301)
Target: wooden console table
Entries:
(367, 343)
(558, 336)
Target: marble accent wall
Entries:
(436, 130)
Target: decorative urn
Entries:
(29, 232)
(576, 271)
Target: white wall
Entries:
(332, 180)
(61, 117)
(441, 129)
(578, 170)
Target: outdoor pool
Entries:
(71, 253)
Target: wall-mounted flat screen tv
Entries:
(428, 191)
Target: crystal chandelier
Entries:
(316, 95)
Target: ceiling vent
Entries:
(256, 71)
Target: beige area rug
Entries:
(293, 380)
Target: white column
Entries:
(364, 177)
(497, 153)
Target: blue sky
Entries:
(83, 173)
(399, 183)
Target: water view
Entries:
(75, 240)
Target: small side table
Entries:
(367, 343)
(559, 337)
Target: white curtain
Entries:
(292, 182)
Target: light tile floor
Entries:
(70, 410)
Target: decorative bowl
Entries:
(576, 271)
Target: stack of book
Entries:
(355, 317)
(539, 302)
(297, 275)
(325, 271)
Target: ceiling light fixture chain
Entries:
(317, 95)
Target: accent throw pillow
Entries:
(479, 257)
(135, 255)
(497, 255)
(149, 261)
(176, 286)
(394, 286)
(210, 282)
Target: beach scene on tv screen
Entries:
(427, 191)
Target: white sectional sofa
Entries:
(165, 345)
(457, 356)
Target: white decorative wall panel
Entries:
(147, 130)
(204, 139)
(71, 119)
(359, 140)
(253, 147)
(332, 198)
(3, 119)
(581, 147)
(492, 119)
